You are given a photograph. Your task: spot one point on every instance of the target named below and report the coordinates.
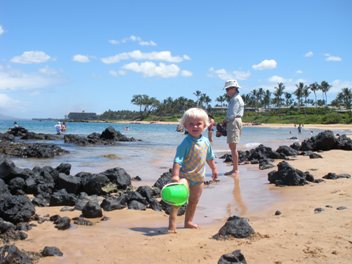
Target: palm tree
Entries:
(347, 99)
(306, 93)
(279, 91)
(221, 99)
(325, 87)
(261, 94)
(204, 99)
(146, 104)
(254, 97)
(314, 87)
(288, 99)
(299, 93)
(267, 99)
(198, 94)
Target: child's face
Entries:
(195, 126)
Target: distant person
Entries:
(63, 127)
(58, 128)
(179, 128)
(189, 163)
(233, 122)
(211, 128)
(15, 124)
(299, 129)
(221, 129)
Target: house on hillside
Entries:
(78, 116)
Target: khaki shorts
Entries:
(233, 130)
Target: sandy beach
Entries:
(298, 235)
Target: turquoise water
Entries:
(147, 158)
(153, 156)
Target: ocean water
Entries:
(153, 155)
(147, 158)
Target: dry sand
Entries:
(298, 235)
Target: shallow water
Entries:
(153, 156)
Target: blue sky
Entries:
(64, 56)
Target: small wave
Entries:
(251, 145)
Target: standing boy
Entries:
(189, 163)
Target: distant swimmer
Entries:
(58, 128)
(63, 127)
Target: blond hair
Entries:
(195, 113)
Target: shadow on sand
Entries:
(147, 231)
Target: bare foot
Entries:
(229, 173)
(233, 173)
(191, 225)
(171, 231)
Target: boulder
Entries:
(235, 227)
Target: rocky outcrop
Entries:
(30, 150)
(235, 227)
(287, 175)
(324, 141)
(234, 257)
(108, 137)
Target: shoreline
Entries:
(317, 126)
(269, 125)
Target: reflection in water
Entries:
(239, 205)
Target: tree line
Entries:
(256, 99)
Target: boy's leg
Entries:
(172, 219)
(174, 211)
(194, 196)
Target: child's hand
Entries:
(175, 178)
(214, 175)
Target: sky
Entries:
(67, 56)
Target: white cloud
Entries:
(147, 43)
(116, 58)
(241, 75)
(150, 69)
(225, 75)
(139, 55)
(117, 73)
(309, 54)
(2, 30)
(220, 73)
(338, 85)
(13, 79)
(277, 79)
(329, 57)
(186, 73)
(299, 71)
(31, 57)
(265, 65)
(47, 71)
(133, 38)
(80, 58)
(7, 103)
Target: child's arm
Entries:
(175, 172)
(213, 168)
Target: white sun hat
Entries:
(231, 83)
